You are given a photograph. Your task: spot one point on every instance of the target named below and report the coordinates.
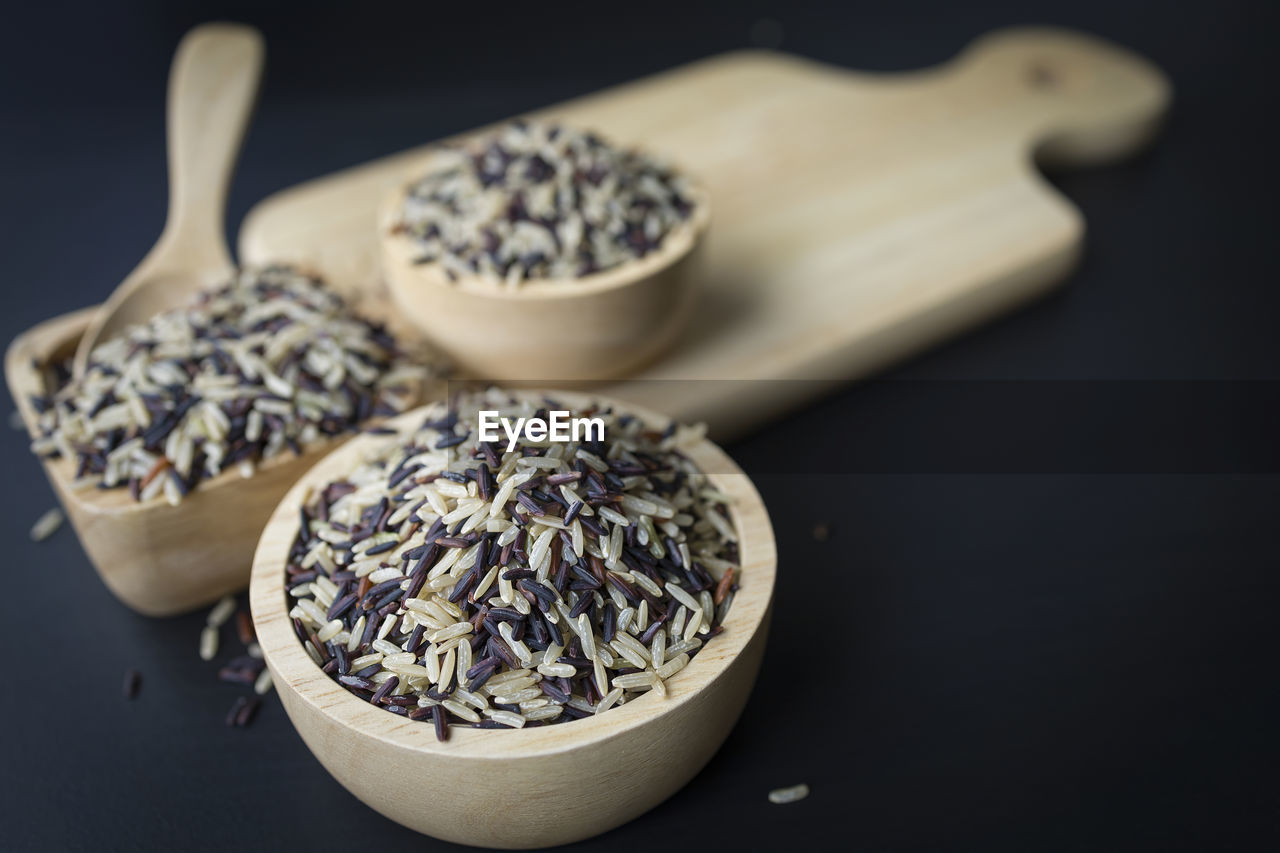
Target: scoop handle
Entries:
(213, 87)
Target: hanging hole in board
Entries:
(1043, 77)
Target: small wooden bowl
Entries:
(529, 787)
(158, 559)
(600, 326)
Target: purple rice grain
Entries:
(248, 711)
(244, 627)
(132, 683)
(387, 686)
(233, 715)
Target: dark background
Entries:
(1071, 653)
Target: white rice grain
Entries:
(793, 794)
(262, 685)
(47, 524)
(208, 642)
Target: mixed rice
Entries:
(447, 578)
(247, 668)
(270, 363)
(542, 201)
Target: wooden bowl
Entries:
(158, 559)
(528, 787)
(600, 326)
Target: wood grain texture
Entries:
(529, 787)
(158, 559)
(858, 217)
(212, 89)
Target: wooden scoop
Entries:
(212, 89)
(157, 558)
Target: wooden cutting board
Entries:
(856, 218)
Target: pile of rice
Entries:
(449, 578)
(270, 363)
(542, 201)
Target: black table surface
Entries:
(1044, 616)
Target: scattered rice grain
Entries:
(793, 794)
(47, 524)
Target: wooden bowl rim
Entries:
(42, 341)
(398, 248)
(294, 671)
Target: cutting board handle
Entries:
(213, 88)
(1079, 100)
